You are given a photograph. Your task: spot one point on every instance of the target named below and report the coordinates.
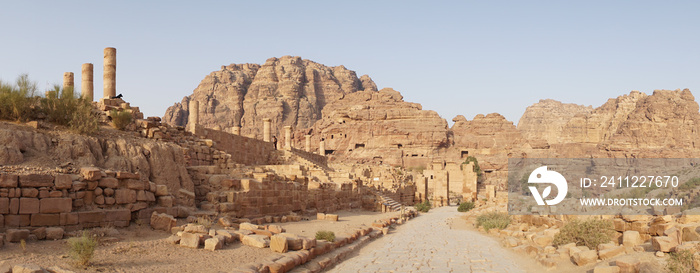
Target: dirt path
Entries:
(429, 244)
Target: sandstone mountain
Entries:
(288, 90)
(378, 126)
(629, 124)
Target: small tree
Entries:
(82, 248)
(475, 167)
(120, 118)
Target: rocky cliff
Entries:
(288, 90)
(378, 126)
(631, 125)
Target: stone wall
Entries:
(92, 198)
(243, 150)
(269, 194)
(444, 177)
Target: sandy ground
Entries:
(140, 249)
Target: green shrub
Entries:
(690, 184)
(465, 206)
(423, 207)
(680, 262)
(82, 248)
(120, 119)
(18, 101)
(588, 233)
(65, 107)
(489, 220)
(476, 167)
(325, 235)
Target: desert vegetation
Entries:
(588, 233)
(20, 102)
(489, 220)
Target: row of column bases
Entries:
(193, 119)
(109, 77)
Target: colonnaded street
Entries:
(428, 244)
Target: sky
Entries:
(457, 58)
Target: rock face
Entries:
(378, 126)
(665, 123)
(288, 90)
(159, 162)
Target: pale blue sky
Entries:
(461, 57)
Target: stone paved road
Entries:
(427, 244)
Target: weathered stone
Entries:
(542, 240)
(166, 201)
(331, 217)
(664, 243)
(320, 216)
(162, 221)
(605, 254)
(161, 190)
(109, 182)
(628, 264)
(631, 238)
(63, 181)
(275, 229)
(16, 235)
(213, 244)
(35, 180)
(28, 205)
(259, 241)
(228, 237)
(56, 205)
(585, 257)
(196, 228)
(278, 243)
(8, 180)
(125, 196)
(606, 269)
(248, 226)
(190, 240)
(54, 233)
(27, 268)
(91, 173)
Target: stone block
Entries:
(166, 201)
(125, 196)
(109, 182)
(69, 219)
(128, 175)
(117, 215)
(161, 190)
(54, 233)
(248, 226)
(39, 233)
(41, 219)
(28, 205)
(308, 243)
(631, 238)
(91, 173)
(162, 221)
(331, 217)
(606, 269)
(16, 235)
(228, 237)
(278, 243)
(542, 240)
(30, 192)
(4, 205)
(663, 243)
(134, 184)
(14, 205)
(585, 257)
(320, 216)
(250, 185)
(628, 264)
(190, 240)
(213, 244)
(56, 205)
(8, 180)
(690, 232)
(35, 180)
(611, 252)
(63, 181)
(294, 242)
(275, 229)
(27, 268)
(86, 217)
(259, 241)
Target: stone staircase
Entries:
(388, 201)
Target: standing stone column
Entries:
(68, 81)
(110, 72)
(266, 129)
(287, 137)
(87, 88)
(193, 119)
(308, 143)
(237, 130)
(322, 148)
